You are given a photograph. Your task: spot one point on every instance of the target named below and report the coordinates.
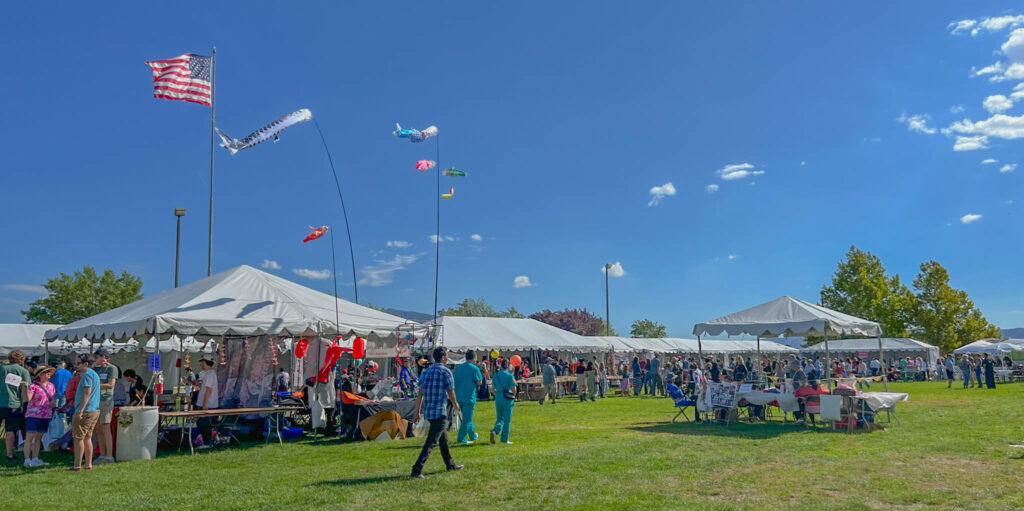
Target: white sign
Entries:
(12, 379)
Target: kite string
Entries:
(348, 230)
(437, 238)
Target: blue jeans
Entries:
(466, 428)
(503, 424)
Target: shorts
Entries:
(949, 374)
(551, 390)
(13, 418)
(106, 411)
(36, 425)
(83, 424)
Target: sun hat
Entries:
(42, 369)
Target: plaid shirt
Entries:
(435, 382)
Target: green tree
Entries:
(84, 294)
(478, 307)
(861, 287)
(610, 329)
(944, 315)
(648, 329)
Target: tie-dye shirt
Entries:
(39, 398)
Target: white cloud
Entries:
(989, 161)
(959, 27)
(1018, 91)
(737, 171)
(306, 273)
(803, 163)
(966, 219)
(917, 123)
(996, 70)
(1009, 167)
(522, 281)
(476, 237)
(433, 238)
(398, 244)
(711, 188)
(733, 257)
(615, 271)
(1008, 202)
(1013, 48)
(998, 23)
(270, 264)
(382, 272)
(870, 140)
(970, 143)
(999, 125)
(955, 109)
(26, 288)
(660, 192)
(997, 103)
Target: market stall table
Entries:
(881, 401)
(187, 419)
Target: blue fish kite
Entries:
(415, 135)
(268, 132)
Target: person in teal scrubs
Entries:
(467, 379)
(503, 382)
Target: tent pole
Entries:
(828, 361)
(758, 358)
(700, 353)
(881, 360)
(46, 351)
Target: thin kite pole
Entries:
(334, 272)
(437, 238)
(348, 230)
(213, 139)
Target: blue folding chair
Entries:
(680, 400)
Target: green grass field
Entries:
(951, 451)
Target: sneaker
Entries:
(508, 442)
(453, 467)
(492, 437)
(417, 476)
(41, 463)
(29, 463)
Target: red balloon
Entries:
(358, 347)
(301, 347)
(516, 360)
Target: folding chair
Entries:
(680, 400)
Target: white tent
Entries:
(900, 346)
(677, 345)
(985, 346)
(790, 317)
(25, 337)
(459, 333)
(242, 301)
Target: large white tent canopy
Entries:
(25, 337)
(899, 346)
(242, 301)
(459, 333)
(790, 317)
(677, 345)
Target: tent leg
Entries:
(46, 352)
(828, 363)
(759, 357)
(881, 360)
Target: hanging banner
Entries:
(153, 362)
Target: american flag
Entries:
(186, 77)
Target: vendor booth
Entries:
(25, 337)
(868, 349)
(249, 317)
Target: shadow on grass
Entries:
(369, 480)
(754, 431)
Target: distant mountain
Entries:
(1013, 333)
(410, 315)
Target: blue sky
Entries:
(846, 124)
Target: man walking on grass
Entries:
(437, 386)
(467, 379)
(549, 382)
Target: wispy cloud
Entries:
(733, 257)
(382, 272)
(917, 123)
(970, 143)
(970, 218)
(270, 264)
(615, 271)
(398, 244)
(476, 237)
(307, 273)
(522, 281)
(711, 188)
(991, 24)
(870, 140)
(803, 163)
(738, 171)
(989, 161)
(433, 238)
(955, 109)
(660, 192)
(999, 126)
(1009, 167)
(26, 288)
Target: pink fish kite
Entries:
(316, 233)
(425, 165)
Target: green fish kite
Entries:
(453, 172)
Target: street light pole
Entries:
(607, 317)
(178, 212)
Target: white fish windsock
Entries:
(268, 132)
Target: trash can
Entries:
(137, 428)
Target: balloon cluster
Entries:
(273, 351)
(223, 356)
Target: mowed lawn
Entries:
(951, 450)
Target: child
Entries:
(37, 417)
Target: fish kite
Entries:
(451, 191)
(268, 132)
(453, 172)
(315, 233)
(425, 165)
(415, 135)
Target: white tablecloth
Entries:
(787, 402)
(883, 400)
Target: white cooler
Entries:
(137, 428)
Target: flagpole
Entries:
(437, 239)
(334, 272)
(213, 138)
